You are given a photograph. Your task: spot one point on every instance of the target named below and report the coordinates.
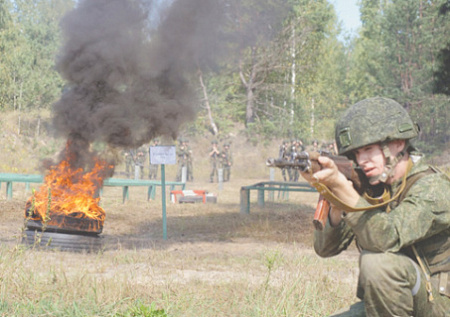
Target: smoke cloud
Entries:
(127, 80)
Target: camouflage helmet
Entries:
(373, 120)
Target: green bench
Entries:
(10, 178)
(151, 192)
(262, 187)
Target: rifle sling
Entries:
(334, 200)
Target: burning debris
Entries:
(69, 198)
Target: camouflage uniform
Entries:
(141, 159)
(190, 168)
(129, 163)
(213, 160)
(182, 157)
(392, 281)
(226, 161)
(282, 154)
(423, 219)
(293, 173)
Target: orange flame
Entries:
(71, 193)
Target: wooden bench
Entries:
(272, 187)
(10, 178)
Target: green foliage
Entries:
(29, 41)
(395, 56)
(283, 72)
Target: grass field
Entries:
(215, 262)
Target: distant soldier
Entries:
(297, 148)
(129, 163)
(153, 168)
(292, 151)
(226, 161)
(332, 148)
(283, 153)
(141, 159)
(190, 168)
(213, 160)
(182, 157)
(315, 145)
(300, 146)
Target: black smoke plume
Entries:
(127, 79)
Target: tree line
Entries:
(284, 70)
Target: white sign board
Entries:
(162, 154)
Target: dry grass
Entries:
(215, 262)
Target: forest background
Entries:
(281, 69)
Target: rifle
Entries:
(308, 162)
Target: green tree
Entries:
(39, 24)
(29, 42)
(442, 71)
(395, 57)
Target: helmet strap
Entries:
(391, 162)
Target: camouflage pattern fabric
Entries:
(373, 120)
(129, 163)
(182, 158)
(225, 162)
(141, 158)
(189, 162)
(388, 270)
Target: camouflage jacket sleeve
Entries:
(423, 213)
(332, 240)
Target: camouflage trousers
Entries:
(226, 173)
(391, 284)
(214, 171)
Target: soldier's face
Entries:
(372, 160)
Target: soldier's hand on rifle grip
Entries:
(330, 176)
(325, 172)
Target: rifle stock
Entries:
(308, 162)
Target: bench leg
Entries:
(245, 201)
(9, 190)
(260, 197)
(150, 193)
(125, 194)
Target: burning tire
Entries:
(62, 241)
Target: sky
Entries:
(348, 13)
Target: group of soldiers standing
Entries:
(287, 152)
(138, 157)
(220, 159)
(288, 149)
